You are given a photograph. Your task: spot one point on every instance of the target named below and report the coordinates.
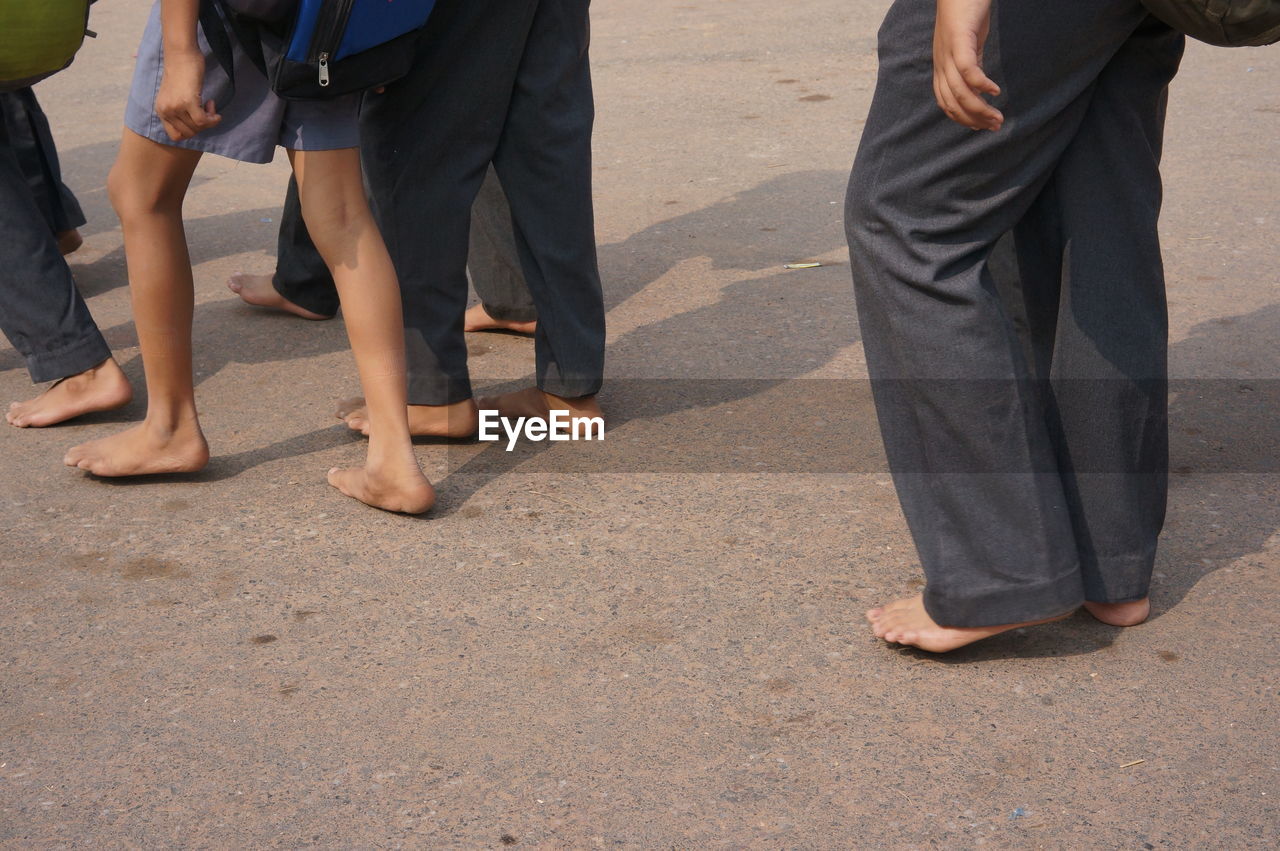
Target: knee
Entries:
(336, 223)
(333, 217)
(133, 198)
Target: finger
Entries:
(950, 105)
(978, 113)
(176, 130)
(211, 113)
(196, 118)
(977, 80)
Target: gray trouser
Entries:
(1032, 471)
(494, 257)
(41, 312)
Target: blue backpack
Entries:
(322, 48)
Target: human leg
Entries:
(1106, 326)
(43, 314)
(544, 163)
(961, 415)
(493, 260)
(301, 283)
(147, 185)
(333, 202)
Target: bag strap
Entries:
(215, 32)
(220, 25)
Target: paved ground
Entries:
(654, 642)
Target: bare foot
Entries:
(144, 450)
(532, 402)
(100, 388)
(259, 291)
(1131, 613)
(478, 319)
(69, 241)
(402, 489)
(456, 420)
(906, 622)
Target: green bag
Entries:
(39, 38)
(1225, 23)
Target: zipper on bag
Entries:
(330, 27)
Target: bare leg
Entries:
(147, 185)
(906, 622)
(457, 420)
(338, 218)
(259, 291)
(478, 319)
(100, 388)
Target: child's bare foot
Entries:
(532, 402)
(478, 319)
(906, 622)
(456, 420)
(69, 241)
(259, 291)
(100, 388)
(144, 450)
(1130, 613)
(401, 488)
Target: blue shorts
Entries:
(256, 121)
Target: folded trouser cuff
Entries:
(86, 352)
(960, 607)
(1118, 579)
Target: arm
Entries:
(178, 101)
(958, 80)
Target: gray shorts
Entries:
(256, 121)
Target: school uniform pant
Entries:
(41, 311)
(1032, 470)
(523, 103)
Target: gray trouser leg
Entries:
(1095, 307)
(966, 425)
(494, 259)
(544, 162)
(41, 312)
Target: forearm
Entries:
(178, 22)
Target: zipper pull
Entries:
(324, 69)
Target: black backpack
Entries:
(1225, 23)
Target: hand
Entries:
(958, 80)
(178, 101)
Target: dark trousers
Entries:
(502, 83)
(41, 312)
(494, 258)
(1032, 470)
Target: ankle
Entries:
(171, 421)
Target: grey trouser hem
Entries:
(957, 605)
(568, 386)
(1118, 579)
(73, 359)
